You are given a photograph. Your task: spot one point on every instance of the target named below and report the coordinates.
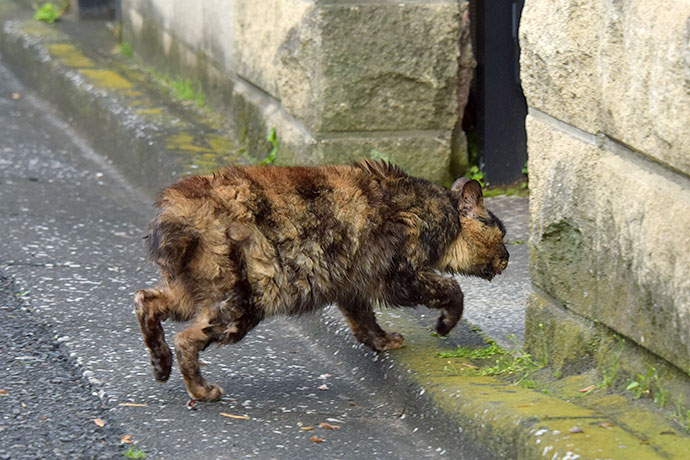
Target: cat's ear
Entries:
(470, 192)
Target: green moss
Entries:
(70, 55)
(507, 190)
(107, 78)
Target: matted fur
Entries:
(247, 243)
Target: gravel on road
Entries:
(47, 407)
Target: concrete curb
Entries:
(117, 107)
(134, 124)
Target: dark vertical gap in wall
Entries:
(494, 119)
(98, 9)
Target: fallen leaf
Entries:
(324, 376)
(469, 365)
(3, 392)
(16, 96)
(306, 428)
(135, 404)
(587, 389)
(316, 439)
(323, 387)
(191, 404)
(606, 425)
(126, 439)
(353, 404)
(99, 422)
(576, 429)
(328, 426)
(239, 417)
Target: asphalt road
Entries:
(71, 257)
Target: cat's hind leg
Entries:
(151, 307)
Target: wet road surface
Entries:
(72, 248)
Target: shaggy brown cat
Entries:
(247, 243)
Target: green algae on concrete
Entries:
(202, 154)
(70, 55)
(107, 78)
(520, 423)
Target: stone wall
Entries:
(608, 88)
(336, 79)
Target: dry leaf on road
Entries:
(126, 439)
(133, 405)
(306, 428)
(316, 439)
(238, 417)
(328, 426)
(99, 422)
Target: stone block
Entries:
(559, 44)
(609, 236)
(372, 67)
(617, 67)
(425, 155)
(259, 29)
(337, 80)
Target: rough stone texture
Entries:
(620, 67)
(609, 233)
(336, 80)
(573, 343)
(372, 67)
(259, 30)
(427, 155)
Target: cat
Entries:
(247, 243)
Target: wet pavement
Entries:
(72, 246)
(72, 255)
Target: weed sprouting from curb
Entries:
(649, 385)
(133, 452)
(273, 140)
(125, 49)
(611, 371)
(516, 364)
(476, 174)
(525, 171)
(180, 88)
(50, 13)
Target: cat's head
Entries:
(479, 249)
